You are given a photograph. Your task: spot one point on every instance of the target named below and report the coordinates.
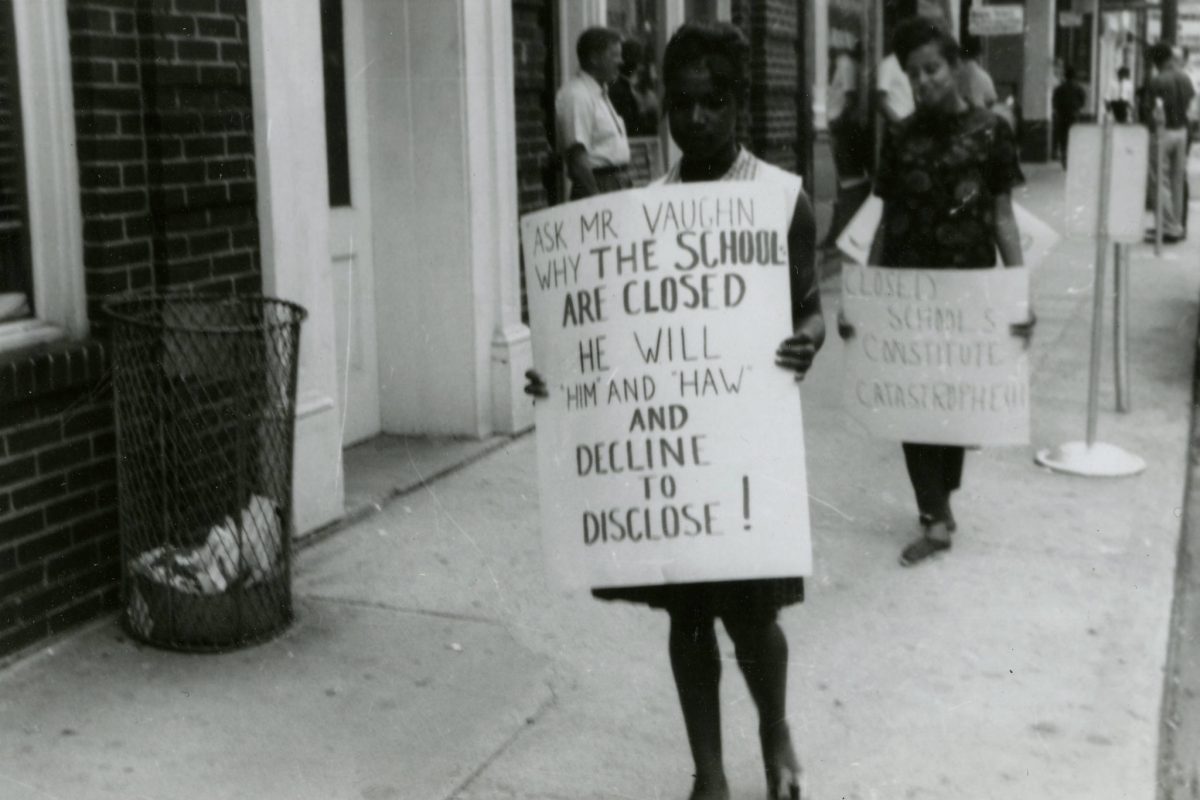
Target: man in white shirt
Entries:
(591, 134)
(892, 89)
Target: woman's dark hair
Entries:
(593, 42)
(1160, 54)
(896, 11)
(717, 45)
(917, 32)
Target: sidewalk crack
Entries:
(382, 606)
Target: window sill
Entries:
(44, 362)
(26, 333)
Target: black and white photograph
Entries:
(599, 400)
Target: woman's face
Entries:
(932, 78)
(703, 118)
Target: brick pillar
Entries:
(773, 124)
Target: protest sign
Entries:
(1037, 238)
(670, 449)
(1126, 186)
(932, 359)
(999, 20)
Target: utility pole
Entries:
(1170, 20)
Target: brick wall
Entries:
(200, 144)
(533, 69)
(534, 76)
(58, 519)
(165, 147)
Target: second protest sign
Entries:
(670, 449)
(932, 358)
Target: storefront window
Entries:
(16, 296)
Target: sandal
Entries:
(785, 786)
(928, 545)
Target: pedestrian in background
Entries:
(707, 78)
(974, 83)
(946, 179)
(646, 92)
(1169, 92)
(893, 93)
(1119, 97)
(591, 135)
(1067, 100)
(849, 137)
(624, 93)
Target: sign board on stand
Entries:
(1126, 188)
(932, 358)
(1004, 20)
(670, 449)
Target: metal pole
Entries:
(1159, 188)
(1098, 288)
(1121, 325)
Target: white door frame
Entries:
(293, 214)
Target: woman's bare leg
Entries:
(762, 654)
(696, 664)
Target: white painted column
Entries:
(820, 40)
(1039, 68)
(293, 210)
(492, 196)
(439, 88)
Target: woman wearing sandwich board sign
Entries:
(670, 440)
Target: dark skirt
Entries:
(756, 598)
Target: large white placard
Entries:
(932, 359)
(671, 448)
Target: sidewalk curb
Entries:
(1179, 723)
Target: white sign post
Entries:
(1090, 457)
(932, 359)
(670, 449)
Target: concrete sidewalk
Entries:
(430, 660)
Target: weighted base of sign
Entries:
(1098, 461)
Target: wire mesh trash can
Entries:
(205, 390)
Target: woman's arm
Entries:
(875, 254)
(808, 323)
(1008, 238)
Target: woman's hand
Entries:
(535, 385)
(796, 353)
(1024, 330)
(845, 329)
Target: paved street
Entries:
(430, 660)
